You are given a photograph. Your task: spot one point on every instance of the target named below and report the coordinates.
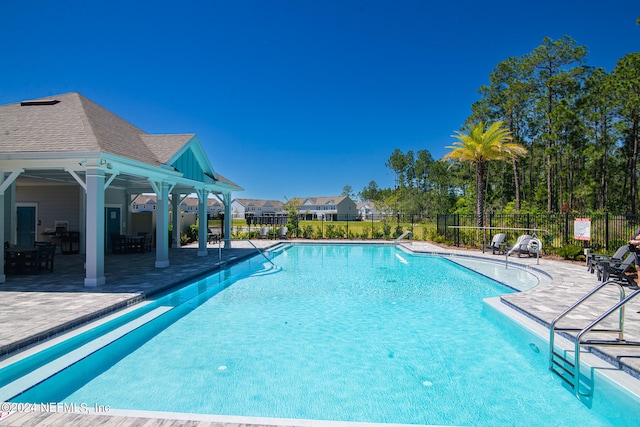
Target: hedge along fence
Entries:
(608, 231)
(382, 227)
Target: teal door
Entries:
(26, 233)
(112, 224)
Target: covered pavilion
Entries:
(67, 163)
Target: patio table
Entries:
(17, 260)
(134, 244)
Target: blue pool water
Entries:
(336, 332)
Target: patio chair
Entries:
(282, 233)
(45, 256)
(31, 261)
(212, 237)
(11, 262)
(146, 243)
(617, 270)
(118, 243)
(618, 256)
(264, 233)
(497, 244)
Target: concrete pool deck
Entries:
(35, 307)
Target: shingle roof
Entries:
(75, 123)
(322, 200)
(260, 202)
(165, 146)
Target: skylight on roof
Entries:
(39, 102)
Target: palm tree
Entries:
(480, 145)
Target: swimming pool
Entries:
(336, 332)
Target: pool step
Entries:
(564, 368)
(47, 370)
(279, 249)
(268, 271)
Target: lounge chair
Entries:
(264, 233)
(282, 233)
(526, 244)
(497, 244)
(617, 270)
(618, 256)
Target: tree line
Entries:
(579, 125)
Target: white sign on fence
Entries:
(582, 228)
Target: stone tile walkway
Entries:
(41, 306)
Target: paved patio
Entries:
(37, 307)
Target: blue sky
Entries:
(293, 98)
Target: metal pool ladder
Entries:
(567, 368)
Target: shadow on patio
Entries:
(135, 272)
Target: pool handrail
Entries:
(403, 235)
(573, 369)
(259, 251)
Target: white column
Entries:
(7, 184)
(13, 213)
(202, 221)
(82, 226)
(94, 275)
(227, 219)
(162, 226)
(176, 219)
(129, 213)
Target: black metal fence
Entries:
(606, 231)
(266, 219)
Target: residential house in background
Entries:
(241, 208)
(331, 208)
(189, 207)
(189, 204)
(366, 210)
(144, 203)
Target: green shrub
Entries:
(570, 251)
(386, 230)
(438, 239)
(307, 231)
(184, 240)
(365, 233)
(190, 234)
(330, 231)
(333, 231)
